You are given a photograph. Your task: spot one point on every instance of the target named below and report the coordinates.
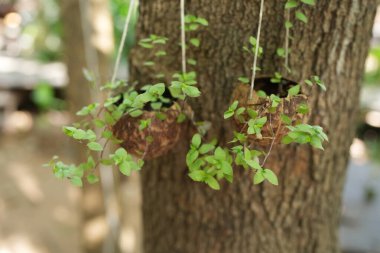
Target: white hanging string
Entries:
(123, 38)
(183, 36)
(257, 49)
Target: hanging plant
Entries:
(271, 110)
(146, 122)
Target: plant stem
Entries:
(183, 36)
(123, 38)
(257, 49)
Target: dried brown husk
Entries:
(275, 128)
(153, 141)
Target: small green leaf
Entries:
(205, 148)
(92, 178)
(288, 25)
(228, 114)
(291, 4)
(95, 146)
(195, 42)
(213, 183)
(295, 90)
(181, 118)
(259, 177)
(270, 176)
(309, 2)
(197, 175)
(196, 140)
(191, 91)
(125, 168)
(243, 79)
(316, 142)
(286, 119)
(300, 16)
(219, 153)
(191, 61)
(77, 181)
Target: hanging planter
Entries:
(273, 103)
(151, 134)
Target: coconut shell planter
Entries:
(153, 141)
(291, 109)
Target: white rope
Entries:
(123, 38)
(183, 36)
(257, 49)
(287, 42)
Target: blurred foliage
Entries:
(45, 32)
(372, 74)
(43, 96)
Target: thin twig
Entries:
(271, 146)
(257, 49)
(183, 37)
(123, 38)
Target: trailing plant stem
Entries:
(257, 49)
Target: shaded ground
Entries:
(37, 212)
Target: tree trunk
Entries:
(301, 214)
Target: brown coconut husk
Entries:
(165, 133)
(274, 128)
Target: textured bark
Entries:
(302, 214)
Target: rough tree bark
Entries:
(301, 214)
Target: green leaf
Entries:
(191, 91)
(243, 79)
(92, 178)
(181, 118)
(219, 154)
(287, 140)
(316, 142)
(125, 168)
(259, 177)
(288, 25)
(228, 114)
(261, 94)
(234, 105)
(192, 62)
(291, 4)
(253, 164)
(77, 181)
(261, 121)
(95, 146)
(205, 148)
(300, 16)
(202, 21)
(286, 119)
(227, 168)
(136, 113)
(197, 175)
(213, 183)
(195, 42)
(281, 52)
(270, 176)
(308, 82)
(79, 134)
(309, 2)
(196, 140)
(295, 90)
